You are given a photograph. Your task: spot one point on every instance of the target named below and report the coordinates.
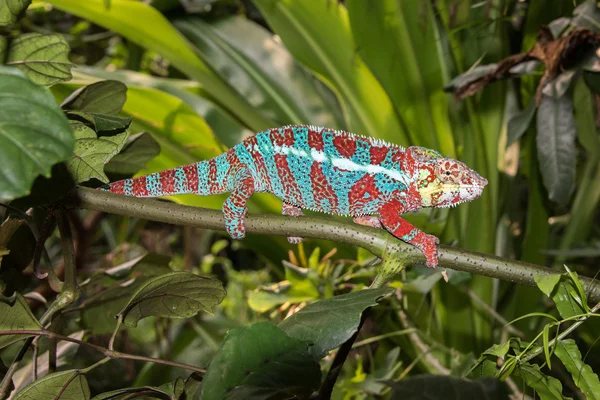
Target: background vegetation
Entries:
(95, 304)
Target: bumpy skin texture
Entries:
(324, 170)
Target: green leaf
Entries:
(92, 152)
(151, 30)
(518, 124)
(42, 58)
(587, 15)
(262, 301)
(547, 283)
(105, 97)
(471, 75)
(34, 133)
(546, 344)
(329, 323)
(547, 387)
(103, 124)
(7, 230)
(261, 69)
(15, 315)
(391, 35)
(170, 390)
(556, 146)
(558, 86)
(3, 371)
(71, 383)
(174, 295)
(12, 10)
(435, 387)
(567, 298)
(135, 155)
(583, 375)
(331, 54)
(258, 362)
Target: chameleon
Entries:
(324, 170)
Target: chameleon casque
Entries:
(324, 170)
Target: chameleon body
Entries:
(325, 170)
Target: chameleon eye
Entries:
(447, 173)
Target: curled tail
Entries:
(202, 178)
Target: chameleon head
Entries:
(445, 182)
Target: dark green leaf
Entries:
(525, 68)
(168, 391)
(587, 15)
(558, 86)
(592, 80)
(12, 10)
(174, 295)
(104, 97)
(92, 152)
(7, 230)
(558, 26)
(329, 323)
(258, 362)
(193, 386)
(134, 156)
(547, 387)
(556, 146)
(518, 124)
(547, 283)
(583, 375)
(71, 383)
(43, 58)
(434, 387)
(34, 133)
(15, 315)
(103, 124)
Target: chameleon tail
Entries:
(199, 178)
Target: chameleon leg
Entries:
(405, 231)
(290, 209)
(234, 208)
(368, 220)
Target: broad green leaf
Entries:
(170, 390)
(174, 295)
(260, 68)
(151, 30)
(70, 384)
(547, 283)
(134, 156)
(547, 387)
(436, 387)
(34, 133)
(567, 299)
(318, 34)
(329, 323)
(15, 315)
(43, 58)
(556, 146)
(92, 152)
(583, 375)
(393, 36)
(12, 10)
(103, 124)
(587, 15)
(258, 362)
(518, 124)
(104, 97)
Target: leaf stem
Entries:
(328, 228)
(112, 354)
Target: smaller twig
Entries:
(107, 352)
(66, 239)
(561, 336)
(111, 342)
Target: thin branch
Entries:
(322, 227)
(107, 352)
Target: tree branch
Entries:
(107, 352)
(376, 241)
